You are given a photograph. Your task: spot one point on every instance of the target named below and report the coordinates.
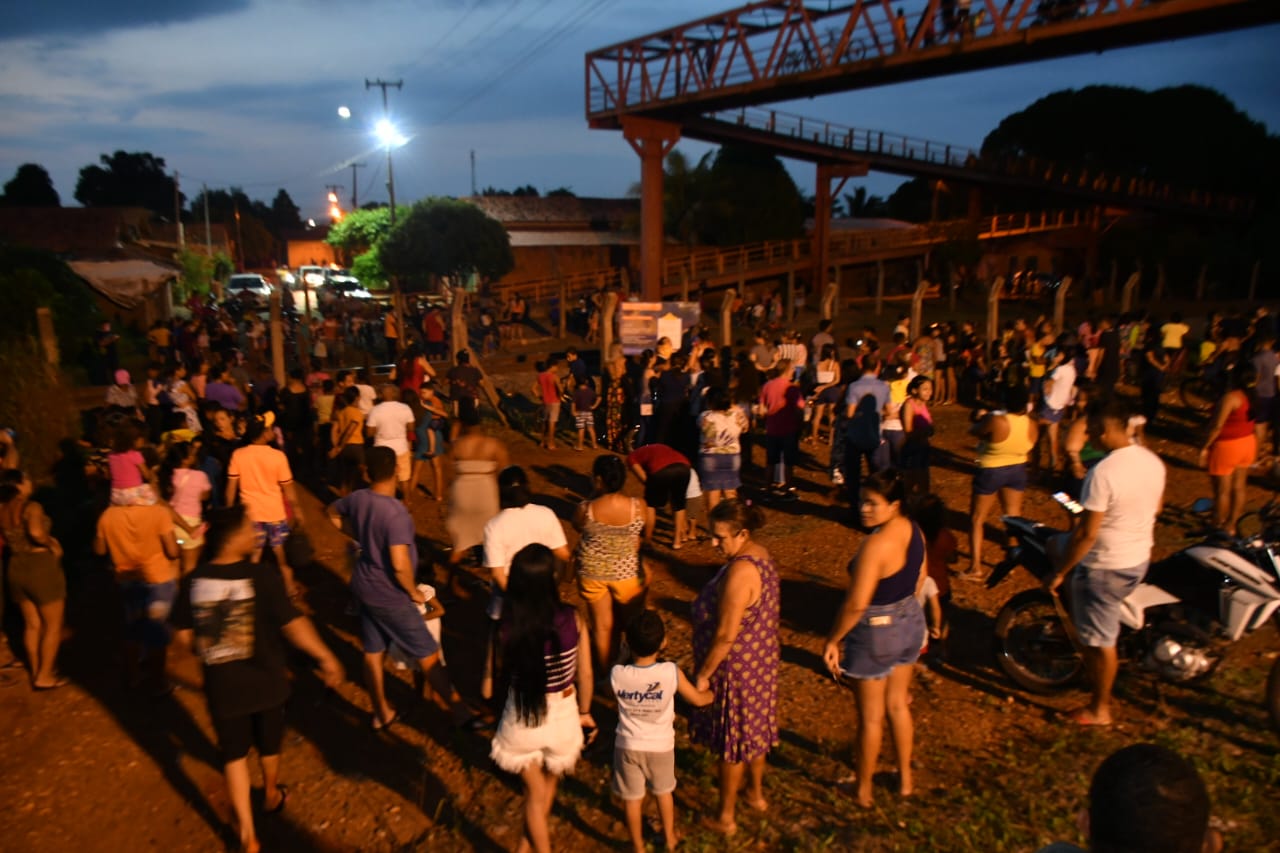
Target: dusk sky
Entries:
(245, 92)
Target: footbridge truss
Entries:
(777, 50)
(698, 79)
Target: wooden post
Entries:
(277, 340)
(830, 300)
(1129, 291)
(791, 296)
(1201, 282)
(993, 309)
(490, 393)
(726, 317)
(917, 308)
(607, 312)
(458, 325)
(1254, 275)
(1060, 303)
(879, 287)
(952, 281)
(1160, 283)
(48, 336)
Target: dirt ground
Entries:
(92, 767)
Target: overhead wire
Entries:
(567, 25)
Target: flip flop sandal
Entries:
(284, 798)
(377, 723)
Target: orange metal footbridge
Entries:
(681, 80)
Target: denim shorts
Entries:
(887, 636)
(146, 611)
(720, 471)
(1051, 416)
(988, 481)
(401, 624)
(1095, 602)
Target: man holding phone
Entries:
(1111, 547)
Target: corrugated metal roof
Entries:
(528, 239)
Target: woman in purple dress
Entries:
(735, 644)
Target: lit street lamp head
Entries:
(388, 135)
(344, 112)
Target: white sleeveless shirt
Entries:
(646, 706)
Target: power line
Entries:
(567, 25)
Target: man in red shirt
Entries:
(547, 389)
(784, 415)
(665, 474)
(433, 331)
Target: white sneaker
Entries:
(837, 477)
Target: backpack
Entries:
(864, 427)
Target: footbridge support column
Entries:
(652, 140)
(822, 204)
(993, 310)
(1060, 304)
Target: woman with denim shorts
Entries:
(880, 628)
(1005, 440)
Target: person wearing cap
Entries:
(122, 395)
(260, 475)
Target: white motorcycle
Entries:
(1177, 623)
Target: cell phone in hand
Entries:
(1068, 503)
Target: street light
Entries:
(388, 134)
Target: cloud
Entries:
(92, 17)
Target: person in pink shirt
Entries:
(186, 488)
(783, 406)
(131, 477)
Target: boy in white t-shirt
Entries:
(644, 752)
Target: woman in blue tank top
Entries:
(881, 628)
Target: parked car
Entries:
(313, 276)
(341, 284)
(247, 287)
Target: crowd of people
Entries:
(203, 525)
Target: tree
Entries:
(128, 180)
(245, 221)
(30, 186)
(561, 192)
(526, 191)
(859, 205)
(1190, 136)
(747, 196)
(368, 268)
(361, 230)
(285, 215)
(444, 237)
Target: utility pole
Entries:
(208, 232)
(386, 114)
(177, 213)
(355, 196)
(397, 303)
(473, 173)
(239, 238)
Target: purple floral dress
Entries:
(742, 723)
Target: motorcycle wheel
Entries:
(1273, 695)
(1032, 645)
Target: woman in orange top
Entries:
(1231, 447)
